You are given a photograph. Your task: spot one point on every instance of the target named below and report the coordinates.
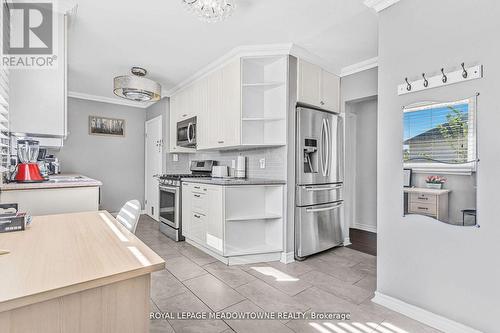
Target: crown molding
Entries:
(109, 100)
(380, 5)
(359, 67)
(246, 50)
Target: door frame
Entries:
(146, 123)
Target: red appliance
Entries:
(27, 168)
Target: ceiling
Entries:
(107, 37)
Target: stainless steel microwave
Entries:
(186, 133)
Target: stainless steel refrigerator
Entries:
(319, 181)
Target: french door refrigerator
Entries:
(319, 181)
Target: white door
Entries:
(153, 165)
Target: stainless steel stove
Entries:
(170, 197)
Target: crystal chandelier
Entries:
(210, 10)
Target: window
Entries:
(440, 137)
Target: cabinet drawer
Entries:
(198, 228)
(200, 202)
(423, 198)
(422, 208)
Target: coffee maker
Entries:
(27, 169)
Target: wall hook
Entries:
(408, 85)
(464, 71)
(445, 78)
(426, 83)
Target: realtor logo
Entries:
(28, 35)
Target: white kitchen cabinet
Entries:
(317, 87)
(236, 224)
(38, 98)
(182, 106)
(241, 105)
(49, 201)
(309, 85)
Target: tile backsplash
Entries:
(275, 165)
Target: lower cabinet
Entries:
(239, 224)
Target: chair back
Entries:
(129, 215)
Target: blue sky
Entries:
(418, 122)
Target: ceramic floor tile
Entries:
(165, 285)
(251, 326)
(365, 268)
(402, 324)
(160, 326)
(337, 287)
(183, 268)
(327, 326)
(351, 254)
(269, 298)
(188, 302)
(289, 284)
(332, 259)
(294, 268)
(233, 276)
(198, 256)
(213, 292)
(368, 283)
(346, 274)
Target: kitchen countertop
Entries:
(68, 253)
(234, 181)
(58, 181)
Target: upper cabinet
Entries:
(241, 105)
(317, 87)
(38, 98)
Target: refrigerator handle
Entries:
(328, 140)
(324, 148)
(316, 210)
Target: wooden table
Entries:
(81, 272)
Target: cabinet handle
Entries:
(197, 216)
(322, 103)
(197, 195)
(424, 208)
(184, 115)
(423, 198)
(220, 141)
(197, 187)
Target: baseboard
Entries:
(143, 212)
(365, 227)
(347, 241)
(423, 316)
(287, 257)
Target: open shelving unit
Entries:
(264, 100)
(257, 213)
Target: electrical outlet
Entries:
(262, 163)
(175, 157)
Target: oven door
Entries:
(169, 206)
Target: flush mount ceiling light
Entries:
(210, 10)
(137, 87)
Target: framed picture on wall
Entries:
(106, 126)
(407, 177)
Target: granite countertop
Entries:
(234, 181)
(58, 181)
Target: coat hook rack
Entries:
(444, 78)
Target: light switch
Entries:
(262, 163)
(175, 157)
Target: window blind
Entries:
(440, 133)
(4, 112)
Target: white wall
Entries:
(116, 161)
(451, 271)
(365, 148)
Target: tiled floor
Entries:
(341, 280)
